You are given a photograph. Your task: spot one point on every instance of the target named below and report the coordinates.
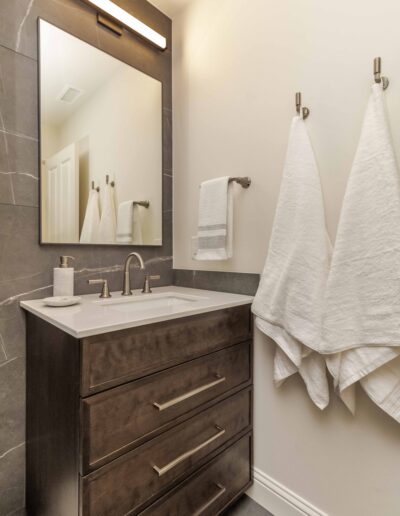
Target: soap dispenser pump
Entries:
(63, 280)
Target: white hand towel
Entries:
(214, 234)
(289, 298)
(90, 228)
(107, 227)
(125, 222)
(137, 225)
(362, 311)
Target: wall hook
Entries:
(97, 188)
(108, 181)
(303, 112)
(377, 73)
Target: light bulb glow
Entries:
(130, 21)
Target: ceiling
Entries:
(170, 7)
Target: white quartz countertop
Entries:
(93, 316)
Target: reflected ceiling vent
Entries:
(69, 94)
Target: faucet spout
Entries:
(126, 289)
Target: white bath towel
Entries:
(107, 227)
(289, 298)
(90, 228)
(215, 225)
(137, 224)
(362, 309)
(125, 222)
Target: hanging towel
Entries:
(125, 223)
(90, 228)
(214, 234)
(289, 298)
(107, 227)
(137, 225)
(362, 309)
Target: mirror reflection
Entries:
(101, 146)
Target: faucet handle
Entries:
(146, 286)
(105, 291)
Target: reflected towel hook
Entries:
(97, 187)
(108, 181)
(244, 182)
(303, 112)
(377, 73)
(145, 204)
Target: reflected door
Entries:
(60, 195)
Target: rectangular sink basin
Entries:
(167, 301)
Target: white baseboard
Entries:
(278, 499)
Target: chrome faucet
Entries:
(126, 289)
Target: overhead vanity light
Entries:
(119, 15)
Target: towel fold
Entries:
(107, 227)
(125, 222)
(214, 234)
(137, 225)
(90, 228)
(290, 295)
(362, 309)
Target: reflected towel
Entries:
(125, 222)
(137, 225)
(107, 227)
(362, 312)
(214, 233)
(292, 287)
(129, 226)
(90, 228)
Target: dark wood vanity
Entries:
(152, 420)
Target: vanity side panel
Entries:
(52, 439)
(115, 358)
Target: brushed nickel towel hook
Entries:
(97, 187)
(377, 73)
(303, 112)
(108, 181)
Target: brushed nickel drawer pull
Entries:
(187, 395)
(221, 491)
(186, 455)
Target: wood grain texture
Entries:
(117, 357)
(230, 470)
(128, 483)
(119, 419)
(52, 423)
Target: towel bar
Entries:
(145, 204)
(245, 182)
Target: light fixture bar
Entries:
(129, 21)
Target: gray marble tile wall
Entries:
(235, 282)
(25, 266)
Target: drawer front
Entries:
(117, 357)
(129, 482)
(208, 492)
(121, 418)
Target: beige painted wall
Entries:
(237, 65)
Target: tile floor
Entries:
(245, 506)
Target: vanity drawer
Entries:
(209, 491)
(125, 485)
(121, 418)
(114, 358)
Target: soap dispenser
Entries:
(63, 279)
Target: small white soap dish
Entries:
(62, 300)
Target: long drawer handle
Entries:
(221, 491)
(162, 406)
(186, 455)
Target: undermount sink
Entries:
(166, 300)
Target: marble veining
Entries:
(25, 266)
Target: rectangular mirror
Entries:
(100, 146)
